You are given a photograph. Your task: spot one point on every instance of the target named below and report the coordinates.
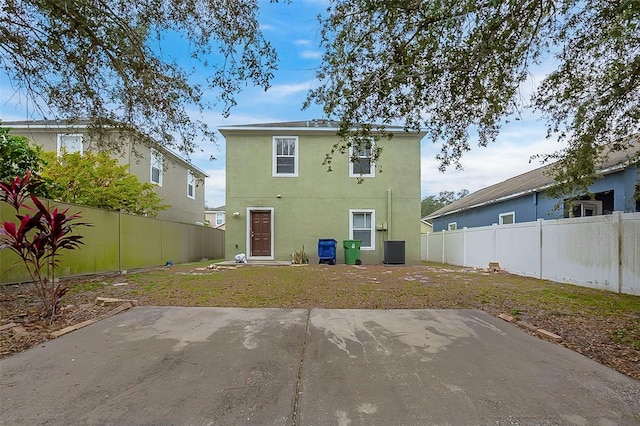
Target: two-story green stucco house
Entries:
(179, 183)
(280, 197)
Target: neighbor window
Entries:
(361, 161)
(582, 208)
(507, 218)
(191, 185)
(69, 143)
(362, 227)
(219, 218)
(285, 156)
(156, 167)
(452, 226)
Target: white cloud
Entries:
(302, 42)
(283, 90)
(311, 54)
(509, 156)
(214, 195)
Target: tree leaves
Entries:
(113, 62)
(455, 68)
(97, 180)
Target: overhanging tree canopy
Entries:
(455, 67)
(115, 61)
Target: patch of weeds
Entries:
(516, 313)
(627, 337)
(82, 287)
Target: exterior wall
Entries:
(315, 205)
(174, 182)
(599, 252)
(535, 206)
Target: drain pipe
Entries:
(389, 226)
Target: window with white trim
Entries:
(285, 156)
(69, 143)
(191, 185)
(362, 227)
(361, 160)
(219, 218)
(452, 226)
(507, 218)
(156, 167)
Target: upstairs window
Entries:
(362, 227)
(156, 167)
(191, 185)
(285, 156)
(452, 226)
(361, 160)
(69, 143)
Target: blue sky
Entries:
(294, 30)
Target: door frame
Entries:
(248, 232)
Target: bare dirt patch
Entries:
(603, 326)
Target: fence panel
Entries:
(480, 246)
(454, 247)
(118, 241)
(100, 251)
(214, 243)
(630, 248)
(518, 248)
(581, 251)
(601, 252)
(434, 247)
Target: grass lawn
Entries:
(602, 325)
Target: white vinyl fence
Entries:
(600, 251)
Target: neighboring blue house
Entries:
(523, 199)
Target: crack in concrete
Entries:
(294, 415)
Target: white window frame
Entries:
(501, 217)
(452, 226)
(155, 158)
(62, 136)
(372, 170)
(191, 185)
(219, 219)
(594, 205)
(372, 212)
(274, 171)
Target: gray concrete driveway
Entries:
(215, 366)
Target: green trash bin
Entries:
(351, 251)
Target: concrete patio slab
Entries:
(159, 366)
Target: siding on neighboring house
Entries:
(275, 174)
(180, 183)
(524, 198)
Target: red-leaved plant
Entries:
(37, 239)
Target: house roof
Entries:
(530, 182)
(216, 209)
(83, 124)
(321, 125)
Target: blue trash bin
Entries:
(327, 251)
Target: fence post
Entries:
(464, 246)
(540, 248)
(119, 240)
(427, 246)
(443, 234)
(617, 223)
